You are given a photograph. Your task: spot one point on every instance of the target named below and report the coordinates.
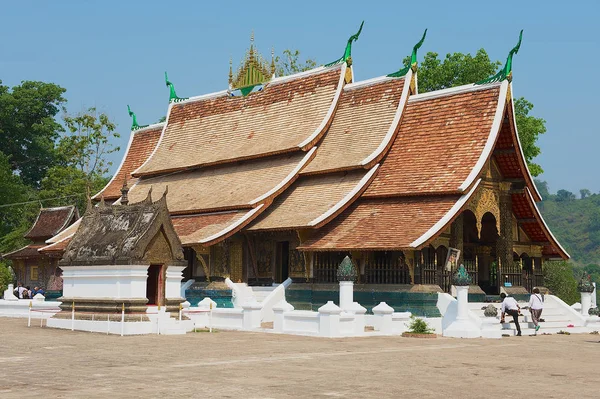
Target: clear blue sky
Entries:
(112, 53)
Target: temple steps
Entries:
(260, 293)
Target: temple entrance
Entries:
(282, 265)
(155, 285)
(486, 257)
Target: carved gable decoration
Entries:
(486, 200)
(139, 233)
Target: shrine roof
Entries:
(27, 252)
(364, 124)
(141, 144)
(314, 200)
(51, 221)
(209, 228)
(289, 114)
(530, 219)
(120, 234)
(389, 223)
(228, 186)
(444, 140)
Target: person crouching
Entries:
(511, 307)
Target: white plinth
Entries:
(462, 326)
(586, 303)
(346, 294)
(329, 320)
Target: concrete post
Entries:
(359, 317)
(279, 311)
(462, 297)
(251, 315)
(346, 294)
(586, 302)
(383, 317)
(329, 320)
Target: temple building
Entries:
(281, 177)
(35, 268)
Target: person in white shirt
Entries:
(511, 307)
(536, 305)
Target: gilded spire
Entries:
(172, 95)
(506, 72)
(347, 57)
(253, 71)
(230, 72)
(413, 59)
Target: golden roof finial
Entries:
(230, 71)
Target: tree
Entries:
(289, 63)
(585, 193)
(28, 127)
(559, 278)
(12, 190)
(82, 164)
(542, 187)
(459, 69)
(564, 195)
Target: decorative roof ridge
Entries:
(15, 251)
(289, 179)
(347, 57)
(506, 72)
(541, 218)
(528, 176)
(492, 138)
(320, 130)
(57, 208)
(370, 82)
(446, 219)
(149, 127)
(348, 199)
(393, 130)
(452, 91)
(202, 97)
(302, 74)
(414, 194)
(413, 59)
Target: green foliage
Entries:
(559, 278)
(585, 193)
(289, 63)
(67, 185)
(575, 223)
(460, 69)
(529, 128)
(455, 70)
(6, 277)
(12, 190)
(419, 326)
(28, 127)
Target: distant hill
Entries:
(574, 221)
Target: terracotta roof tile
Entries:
(56, 248)
(140, 147)
(29, 251)
(51, 221)
(225, 128)
(361, 122)
(196, 228)
(381, 224)
(220, 187)
(439, 143)
(310, 198)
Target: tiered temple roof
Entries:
(369, 165)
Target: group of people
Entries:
(512, 308)
(26, 292)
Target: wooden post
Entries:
(73, 316)
(122, 319)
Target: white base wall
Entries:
(110, 281)
(20, 308)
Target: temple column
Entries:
(504, 245)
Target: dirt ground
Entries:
(43, 362)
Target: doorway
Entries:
(155, 285)
(283, 261)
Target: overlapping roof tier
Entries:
(51, 221)
(289, 114)
(141, 144)
(364, 126)
(228, 186)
